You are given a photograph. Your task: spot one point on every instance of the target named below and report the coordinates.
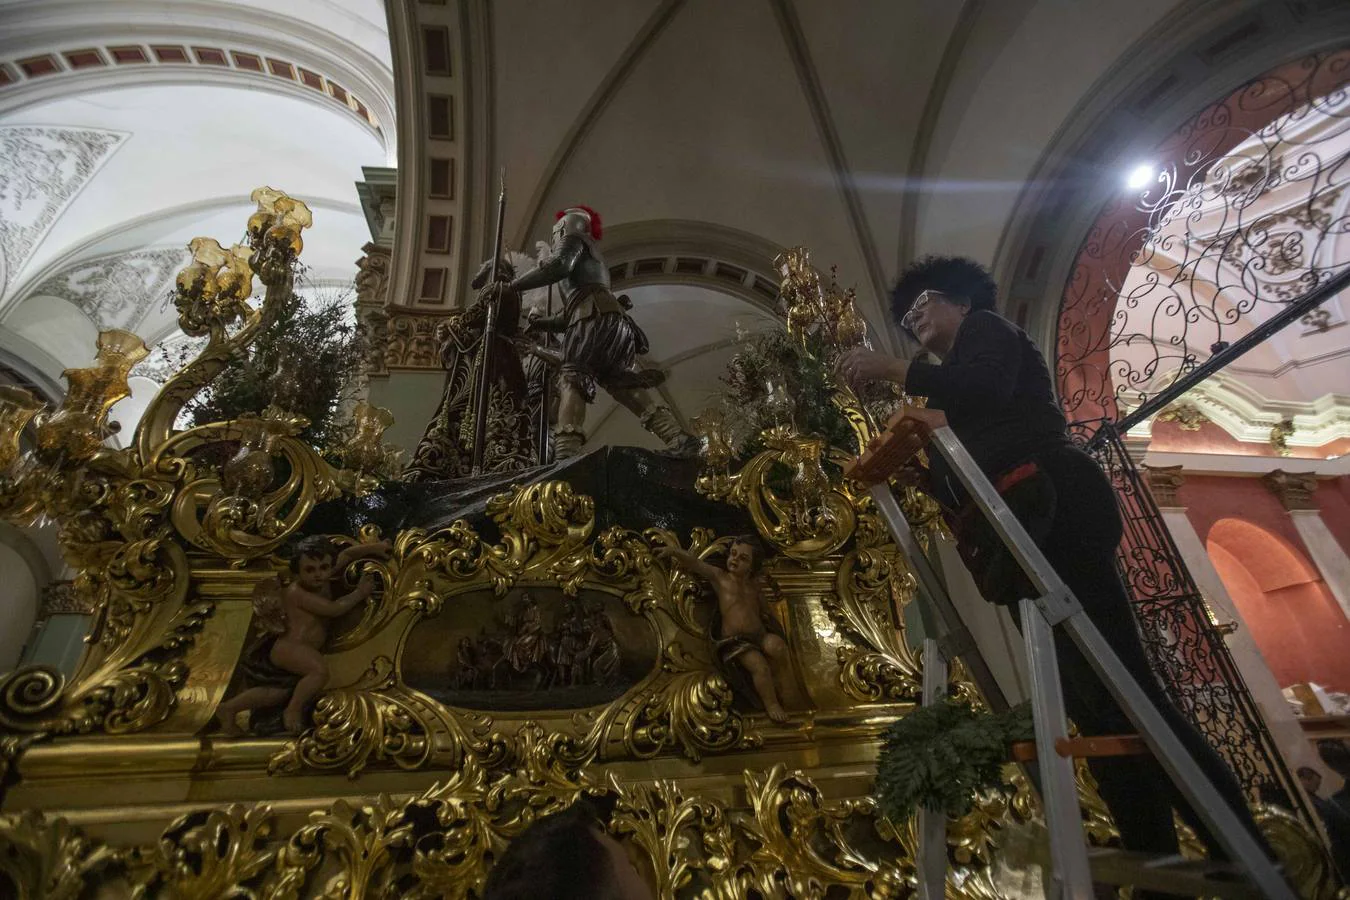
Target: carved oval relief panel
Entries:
(534, 649)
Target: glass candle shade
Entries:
(17, 408)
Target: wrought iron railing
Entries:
(1232, 240)
(1239, 222)
(1185, 647)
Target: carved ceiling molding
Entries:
(71, 27)
(48, 74)
(45, 168)
(120, 289)
(683, 251)
(1247, 416)
(441, 135)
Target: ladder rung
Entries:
(1113, 866)
(1183, 876)
(1084, 747)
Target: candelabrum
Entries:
(46, 483)
(129, 517)
(792, 484)
(364, 453)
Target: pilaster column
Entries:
(1165, 482)
(58, 636)
(1296, 491)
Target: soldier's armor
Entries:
(575, 263)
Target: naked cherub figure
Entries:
(745, 639)
(295, 622)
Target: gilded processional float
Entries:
(289, 691)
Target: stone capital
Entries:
(1163, 482)
(1295, 489)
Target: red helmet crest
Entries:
(595, 226)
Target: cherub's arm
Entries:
(349, 555)
(692, 563)
(322, 606)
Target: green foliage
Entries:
(774, 380)
(940, 757)
(318, 341)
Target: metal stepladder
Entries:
(1070, 876)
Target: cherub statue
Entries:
(287, 656)
(749, 637)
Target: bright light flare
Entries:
(1141, 175)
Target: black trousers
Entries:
(1078, 526)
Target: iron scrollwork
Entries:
(1239, 222)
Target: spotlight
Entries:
(1140, 176)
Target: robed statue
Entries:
(446, 448)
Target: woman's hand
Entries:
(862, 365)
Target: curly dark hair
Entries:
(315, 546)
(955, 276)
(559, 857)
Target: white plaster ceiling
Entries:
(871, 132)
(109, 170)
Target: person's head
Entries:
(934, 295)
(313, 561)
(566, 856)
(745, 556)
(1336, 755)
(1310, 778)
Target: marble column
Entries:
(1296, 491)
(1164, 483)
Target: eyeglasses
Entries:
(920, 304)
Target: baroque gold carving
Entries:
(786, 838)
(128, 516)
(877, 666)
(1188, 416)
(682, 705)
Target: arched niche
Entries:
(1291, 615)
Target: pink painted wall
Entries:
(1258, 553)
(1333, 501)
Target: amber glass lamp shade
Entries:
(17, 408)
(79, 427)
(365, 450)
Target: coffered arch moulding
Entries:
(55, 26)
(1198, 53)
(700, 254)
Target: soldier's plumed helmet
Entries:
(579, 220)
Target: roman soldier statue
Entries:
(600, 341)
